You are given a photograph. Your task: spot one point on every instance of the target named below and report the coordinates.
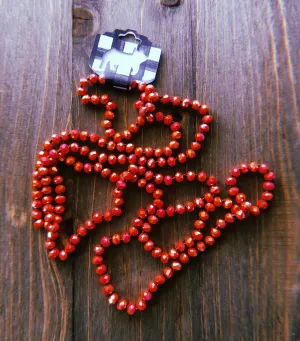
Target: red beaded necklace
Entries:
(49, 191)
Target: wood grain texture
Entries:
(36, 68)
(239, 57)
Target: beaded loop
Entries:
(49, 191)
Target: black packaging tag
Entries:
(122, 61)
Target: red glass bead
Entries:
(199, 202)
(240, 214)
(269, 186)
(97, 260)
(63, 255)
(254, 210)
(173, 253)
(160, 279)
(131, 308)
(148, 246)
(197, 235)
(195, 105)
(152, 286)
(82, 231)
(203, 110)
(54, 253)
(207, 119)
(133, 231)
(74, 239)
(215, 232)
(185, 103)
(107, 215)
(89, 225)
(168, 180)
(147, 295)
(104, 279)
(176, 266)
(156, 252)
(269, 176)
(190, 206)
(95, 99)
(192, 252)
(253, 166)
(180, 209)
(164, 258)
(116, 239)
(104, 99)
(168, 272)
(126, 237)
(233, 191)
(244, 168)
(153, 219)
(203, 215)
(267, 196)
(70, 248)
(199, 224)
(105, 241)
(180, 246)
(101, 269)
(184, 258)
(189, 242)
(181, 158)
(49, 244)
(240, 198)
(122, 304)
(201, 246)
(165, 99)
(113, 298)
(108, 289)
(209, 240)
(229, 218)
(231, 181)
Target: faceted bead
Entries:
(168, 272)
(173, 253)
(160, 279)
(209, 240)
(215, 232)
(131, 308)
(201, 246)
(101, 269)
(262, 204)
(116, 239)
(156, 252)
(184, 258)
(147, 295)
(269, 176)
(113, 298)
(63, 255)
(104, 279)
(108, 289)
(105, 241)
(54, 253)
(122, 304)
(152, 286)
(176, 266)
(267, 196)
(164, 258)
(192, 252)
(126, 237)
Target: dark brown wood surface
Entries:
(242, 59)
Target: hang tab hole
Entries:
(130, 37)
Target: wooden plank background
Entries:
(242, 59)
